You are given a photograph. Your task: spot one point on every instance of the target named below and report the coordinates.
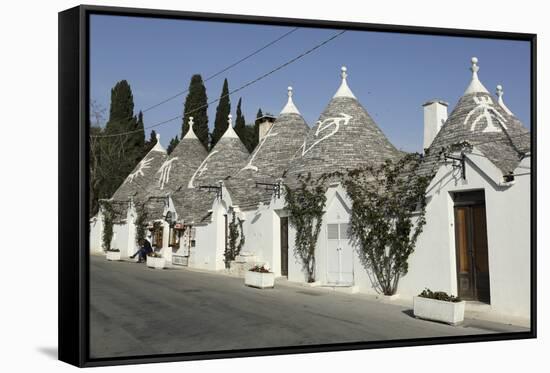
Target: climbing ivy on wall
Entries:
(140, 222)
(387, 216)
(236, 239)
(305, 204)
(108, 219)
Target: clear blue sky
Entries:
(392, 75)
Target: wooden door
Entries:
(284, 246)
(472, 252)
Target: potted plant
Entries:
(155, 260)
(259, 277)
(113, 254)
(439, 306)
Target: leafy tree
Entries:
(240, 124)
(305, 204)
(138, 139)
(222, 112)
(149, 144)
(196, 106)
(236, 240)
(119, 154)
(122, 105)
(108, 221)
(172, 145)
(388, 215)
(254, 132)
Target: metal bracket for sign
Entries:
(213, 188)
(461, 164)
(275, 188)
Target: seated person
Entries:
(144, 250)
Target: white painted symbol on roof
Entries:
(202, 169)
(484, 105)
(164, 171)
(250, 166)
(325, 124)
(144, 164)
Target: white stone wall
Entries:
(120, 239)
(433, 264)
(96, 232)
(210, 241)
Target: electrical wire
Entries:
(223, 70)
(261, 77)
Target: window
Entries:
(337, 231)
(332, 231)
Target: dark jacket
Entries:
(147, 247)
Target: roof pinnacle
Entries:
(344, 90)
(230, 132)
(190, 133)
(500, 93)
(475, 85)
(290, 108)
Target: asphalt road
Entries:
(139, 311)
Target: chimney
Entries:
(265, 124)
(435, 115)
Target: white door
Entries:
(339, 255)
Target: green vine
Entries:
(108, 222)
(305, 205)
(387, 216)
(236, 240)
(140, 222)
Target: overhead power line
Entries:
(261, 77)
(224, 69)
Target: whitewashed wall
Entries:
(96, 231)
(261, 229)
(210, 241)
(433, 264)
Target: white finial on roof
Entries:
(475, 85)
(344, 90)
(500, 93)
(190, 134)
(230, 132)
(290, 108)
(158, 147)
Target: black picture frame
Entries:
(73, 251)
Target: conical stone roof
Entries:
(175, 171)
(271, 158)
(481, 121)
(344, 137)
(227, 157)
(181, 164)
(142, 176)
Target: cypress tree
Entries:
(120, 154)
(138, 138)
(240, 124)
(254, 131)
(196, 106)
(121, 111)
(222, 111)
(150, 143)
(172, 145)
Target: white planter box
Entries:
(157, 263)
(259, 280)
(113, 255)
(438, 310)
